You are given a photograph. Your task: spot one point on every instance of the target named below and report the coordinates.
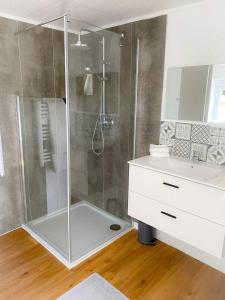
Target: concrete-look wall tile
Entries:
(37, 62)
(29, 54)
(35, 175)
(9, 62)
(116, 183)
(40, 50)
(37, 81)
(147, 134)
(42, 69)
(59, 63)
(10, 189)
(7, 27)
(150, 83)
(151, 63)
(11, 214)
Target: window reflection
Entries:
(195, 93)
(216, 111)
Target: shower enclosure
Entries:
(75, 203)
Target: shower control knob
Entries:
(105, 62)
(106, 121)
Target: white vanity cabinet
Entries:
(186, 204)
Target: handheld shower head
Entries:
(89, 71)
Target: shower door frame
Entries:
(67, 93)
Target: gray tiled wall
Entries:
(119, 150)
(32, 65)
(151, 64)
(185, 138)
(27, 68)
(10, 84)
(41, 62)
(152, 34)
(103, 180)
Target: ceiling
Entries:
(99, 12)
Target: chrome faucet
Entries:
(195, 157)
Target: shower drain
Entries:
(115, 227)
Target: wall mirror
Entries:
(195, 93)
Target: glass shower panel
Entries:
(44, 151)
(94, 85)
(85, 104)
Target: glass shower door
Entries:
(44, 153)
(97, 212)
(72, 146)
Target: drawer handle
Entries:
(168, 215)
(171, 185)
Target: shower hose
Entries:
(99, 121)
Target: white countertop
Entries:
(203, 173)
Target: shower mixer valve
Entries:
(106, 121)
(106, 62)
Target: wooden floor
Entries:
(28, 271)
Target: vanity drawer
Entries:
(193, 230)
(198, 199)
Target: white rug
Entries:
(95, 287)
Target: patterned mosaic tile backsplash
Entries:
(185, 138)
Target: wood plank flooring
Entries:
(28, 271)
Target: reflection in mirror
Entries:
(186, 93)
(195, 93)
(216, 107)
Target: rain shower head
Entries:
(79, 44)
(88, 70)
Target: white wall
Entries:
(195, 36)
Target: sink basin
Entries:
(200, 172)
(186, 168)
